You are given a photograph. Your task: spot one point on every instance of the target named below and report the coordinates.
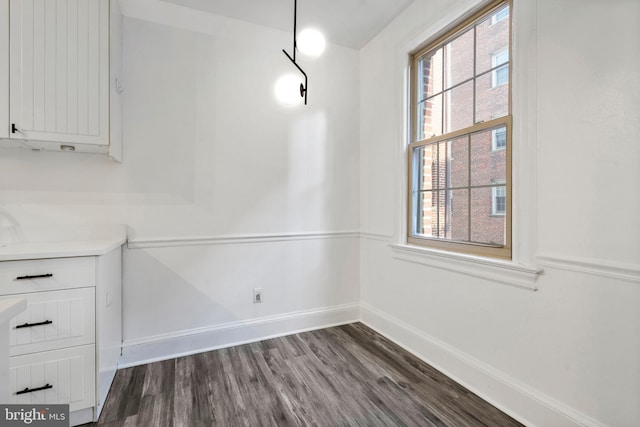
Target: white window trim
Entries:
(522, 271)
(504, 272)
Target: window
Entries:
(500, 15)
(459, 156)
(498, 200)
(500, 75)
(499, 139)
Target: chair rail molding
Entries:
(177, 241)
(611, 269)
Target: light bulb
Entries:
(311, 42)
(287, 89)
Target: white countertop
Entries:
(10, 308)
(18, 251)
(44, 243)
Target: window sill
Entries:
(505, 272)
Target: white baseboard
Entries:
(183, 343)
(527, 405)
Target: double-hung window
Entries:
(459, 195)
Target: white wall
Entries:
(208, 152)
(567, 354)
(224, 190)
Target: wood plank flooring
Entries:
(343, 376)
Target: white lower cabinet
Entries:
(65, 347)
(56, 376)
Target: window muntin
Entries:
(459, 189)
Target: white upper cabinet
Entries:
(57, 51)
(59, 75)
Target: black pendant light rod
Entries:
(295, 29)
(303, 86)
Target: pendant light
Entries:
(312, 43)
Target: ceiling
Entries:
(350, 23)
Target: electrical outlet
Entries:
(257, 295)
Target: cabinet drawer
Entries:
(18, 277)
(64, 376)
(52, 320)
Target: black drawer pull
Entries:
(31, 390)
(29, 325)
(37, 276)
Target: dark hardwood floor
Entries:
(342, 376)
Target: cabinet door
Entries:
(53, 320)
(4, 68)
(59, 70)
(59, 376)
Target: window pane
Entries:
(438, 219)
(429, 118)
(457, 215)
(458, 164)
(430, 74)
(442, 165)
(458, 107)
(427, 215)
(492, 35)
(444, 214)
(491, 102)
(426, 165)
(486, 227)
(458, 55)
(488, 167)
(441, 181)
